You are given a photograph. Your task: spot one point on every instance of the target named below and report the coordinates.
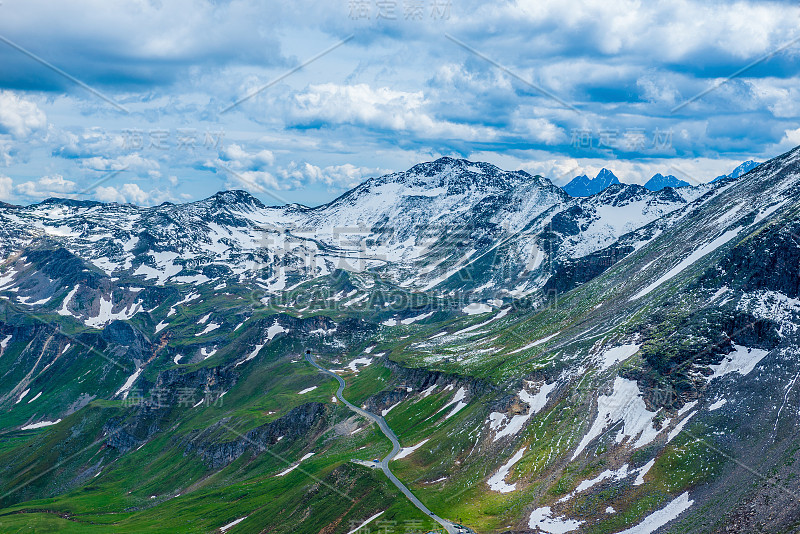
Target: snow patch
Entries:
(417, 318)
(105, 315)
(476, 309)
(460, 395)
(517, 422)
(274, 330)
(617, 354)
(389, 409)
(643, 471)
(688, 261)
(717, 405)
(498, 480)
(618, 474)
(406, 451)
(40, 424)
(661, 517)
(542, 518)
(365, 523)
(742, 360)
(22, 395)
(535, 343)
(251, 355)
(359, 361)
(129, 384)
(232, 524)
(624, 404)
(210, 328)
(427, 391)
(458, 407)
(295, 466)
(677, 430)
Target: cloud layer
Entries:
(132, 97)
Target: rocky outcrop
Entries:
(678, 349)
(418, 379)
(767, 260)
(570, 274)
(217, 454)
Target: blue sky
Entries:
(132, 103)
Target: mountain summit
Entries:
(659, 182)
(583, 186)
(744, 168)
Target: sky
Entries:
(153, 101)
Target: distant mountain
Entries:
(659, 182)
(583, 186)
(744, 168)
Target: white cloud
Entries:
(46, 187)
(338, 176)
(790, 140)
(254, 182)
(780, 96)
(132, 162)
(6, 187)
(18, 116)
(541, 130)
(144, 34)
(670, 30)
(5, 152)
(395, 95)
(382, 108)
(239, 158)
(131, 194)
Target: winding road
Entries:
(381, 422)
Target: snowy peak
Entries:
(606, 178)
(742, 169)
(659, 182)
(438, 191)
(233, 199)
(583, 186)
(459, 175)
(445, 164)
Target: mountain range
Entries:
(583, 186)
(515, 358)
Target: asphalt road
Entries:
(381, 422)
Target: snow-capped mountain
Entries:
(744, 168)
(448, 224)
(659, 181)
(583, 186)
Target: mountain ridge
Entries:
(583, 186)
